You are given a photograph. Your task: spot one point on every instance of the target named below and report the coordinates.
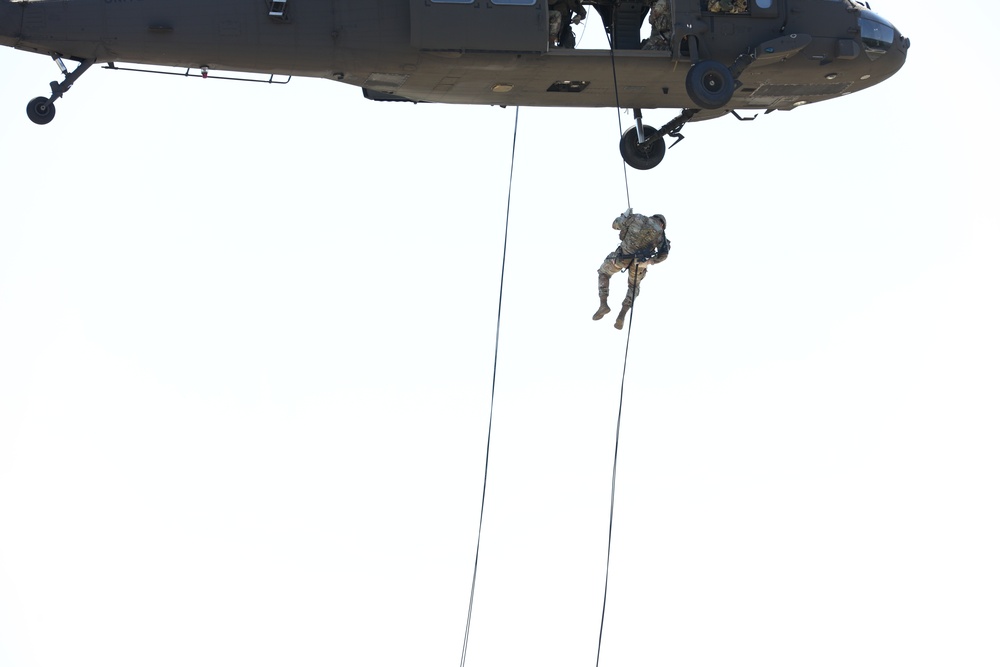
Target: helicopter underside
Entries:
(494, 53)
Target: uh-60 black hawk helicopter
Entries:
(762, 55)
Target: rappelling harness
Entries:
(644, 255)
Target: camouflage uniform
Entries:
(727, 6)
(642, 243)
(659, 19)
(559, 16)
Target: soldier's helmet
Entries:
(659, 216)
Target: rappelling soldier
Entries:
(643, 242)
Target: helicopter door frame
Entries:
(520, 26)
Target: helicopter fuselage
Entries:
(760, 55)
(476, 52)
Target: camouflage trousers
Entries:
(614, 263)
(555, 24)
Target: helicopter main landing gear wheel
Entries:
(710, 84)
(644, 154)
(41, 111)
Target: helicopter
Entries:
(760, 55)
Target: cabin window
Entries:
(758, 8)
(877, 37)
(726, 6)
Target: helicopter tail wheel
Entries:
(41, 110)
(710, 84)
(642, 156)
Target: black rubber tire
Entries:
(710, 85)
(639, 157)
(41, 111)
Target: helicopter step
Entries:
(279, 9)
(42, 110)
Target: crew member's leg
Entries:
(609, 268)
(635, 276)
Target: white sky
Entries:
(246, 342)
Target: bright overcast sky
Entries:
(246, 347)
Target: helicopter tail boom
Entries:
(70, 29)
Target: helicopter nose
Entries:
(902, 47)
(884, 43)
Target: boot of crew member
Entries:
(603, 288)
(620, 322)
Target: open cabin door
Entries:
(480, 25)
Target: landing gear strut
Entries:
(42, 110)
(710, 85)
(642, 147)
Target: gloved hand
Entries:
(627, 213)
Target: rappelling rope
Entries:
(633, 271)
(614, 469)
(496, 351)
(493, 392)
(618, 110)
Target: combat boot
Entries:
(620, 322)
(603, 310)
(603, 285)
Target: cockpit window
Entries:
(876, 36)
